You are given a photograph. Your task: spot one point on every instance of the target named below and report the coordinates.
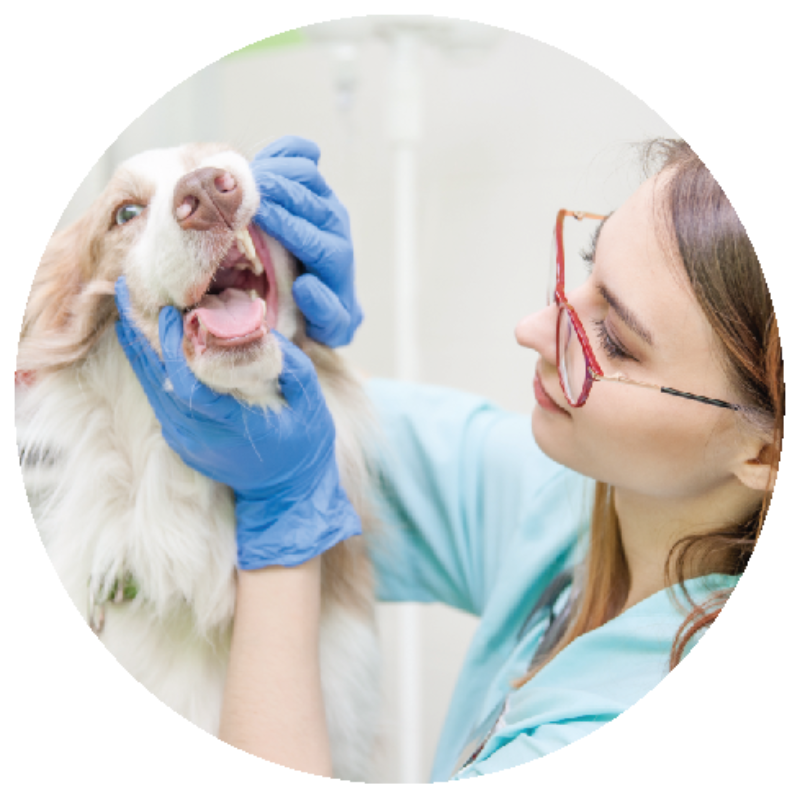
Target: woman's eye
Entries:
(128, 212)
(612, 348)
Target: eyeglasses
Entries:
(578, 369)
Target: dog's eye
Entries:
(128, 212)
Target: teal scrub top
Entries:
(478, 518)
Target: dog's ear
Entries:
(68, 307)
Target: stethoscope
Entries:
(556, 624)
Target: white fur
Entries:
(117, 500)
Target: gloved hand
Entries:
(290, 505)
(305, 216)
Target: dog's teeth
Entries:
(247, 248)
(263, 307)
(245, 242)
(253, 294)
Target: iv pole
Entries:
(404, 127)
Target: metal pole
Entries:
(404, 126)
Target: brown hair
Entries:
(725, 275)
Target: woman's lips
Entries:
(544, 399)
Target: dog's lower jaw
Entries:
(250, 375)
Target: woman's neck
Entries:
(651, 526)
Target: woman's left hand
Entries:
(290, 505)
(299, 209)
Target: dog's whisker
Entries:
(250, 149)
(99, 287)
(191, 395)
(250, 438)
(302, 385)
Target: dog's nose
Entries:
(206, 198)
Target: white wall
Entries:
(508, 139)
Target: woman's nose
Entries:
(538, 332)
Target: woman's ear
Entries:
(757, 469)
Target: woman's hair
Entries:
(725, 275)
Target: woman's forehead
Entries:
(639, 224)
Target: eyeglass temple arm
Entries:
(666, 390)
(579, 215)
(700, 399)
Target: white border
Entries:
(76, 74)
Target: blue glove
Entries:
(305, 216)
(290, 505)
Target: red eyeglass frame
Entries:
(594, 371)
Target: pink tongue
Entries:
(230, 314)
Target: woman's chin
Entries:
(546, 434)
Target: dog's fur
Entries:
(111, 499)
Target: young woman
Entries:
(659, 388)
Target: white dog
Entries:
(144, 545)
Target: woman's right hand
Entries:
(290, 505)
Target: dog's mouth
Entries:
(240, 304)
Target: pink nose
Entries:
(206, 198)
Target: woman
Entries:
(659, 380)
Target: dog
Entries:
(144, 545)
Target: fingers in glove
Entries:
(151, 381)
(298, 170)
(319, 251)
(290, 146)
(326, 317)
(133, 340)
(144, 361)
(302, 202)
(298, 378)
(197, 396)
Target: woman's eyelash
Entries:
(588, 253)
(612, 348)
(587, 256)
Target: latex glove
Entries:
(300, 211)
(290, 505)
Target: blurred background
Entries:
(453, 145)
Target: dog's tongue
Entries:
(230, 314)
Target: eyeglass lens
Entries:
(571, 360)
(577, 235)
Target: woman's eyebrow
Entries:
(625, 314)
